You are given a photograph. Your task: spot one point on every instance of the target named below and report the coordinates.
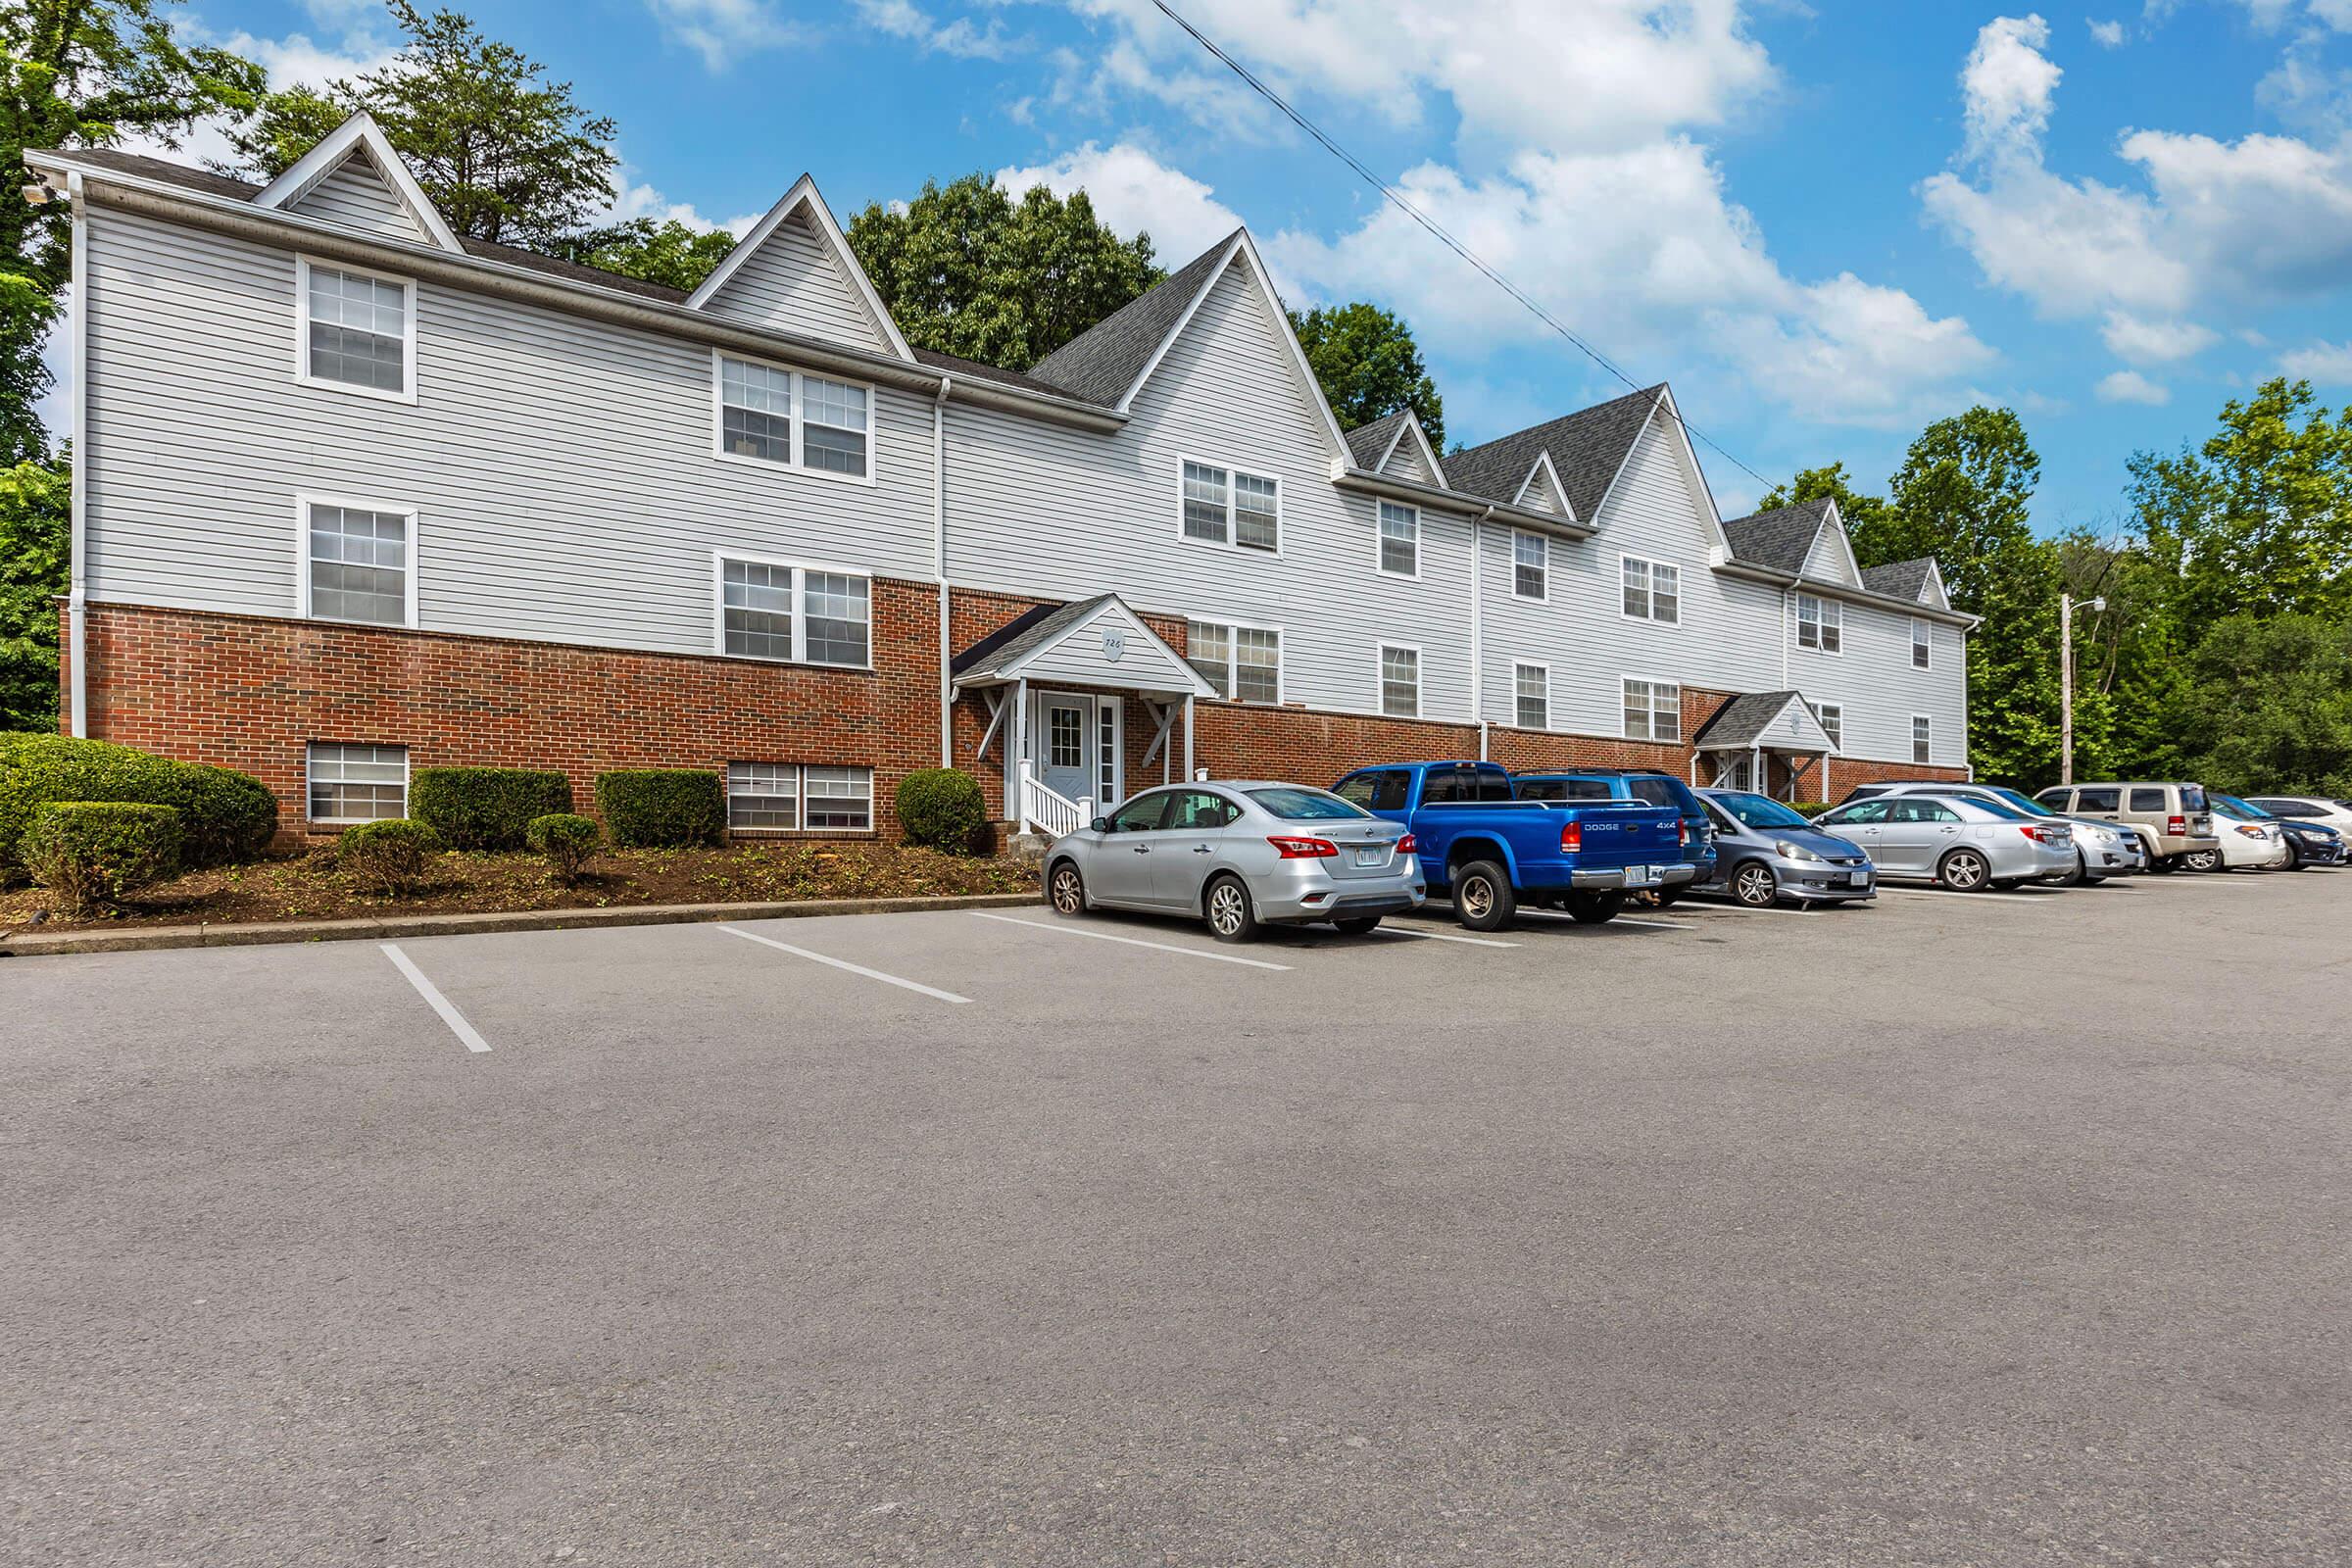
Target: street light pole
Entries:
(2066, 682)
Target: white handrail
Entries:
(1048, 810)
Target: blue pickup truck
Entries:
(1698, 864)
(1497, 852)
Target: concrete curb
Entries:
(261, 932)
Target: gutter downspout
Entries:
(78, 635)
(1478, 632)
(939, 563)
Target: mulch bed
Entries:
(308, 887)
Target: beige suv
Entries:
(2173, 820)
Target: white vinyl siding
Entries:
(1399, 540)
(1531, 696)
(1400, 681)
(1531, 565)
(794, 284)
(779, 610)
(788, 797)
(1653, 711)
(1222, 506)
(1653, 590)
(357, 562)
(356, 331)
(1820, 623)
(793, 419)
(359, 196)
(356, 783)
(1242, 662)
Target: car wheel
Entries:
(2080, 876)
(1963, 872)
(1230, 917)
(1065, 890)
(1594, 908)
(2164, 866)
(2295, 860)
(1483, 899)
(1754, 885)
(2202, 859)
(1362, 925)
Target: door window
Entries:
(1564, 789)
(2148, 800)
(1065, 742)
(1392, 791)
(1909, 810)
(1862, 813)
(1143, 815)
(2097, 801)
(1198, 810)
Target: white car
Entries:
(2306, 809)
(2250, 842)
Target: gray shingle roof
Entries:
(1587, 446)
(1898, 580)
(1368, 444)
(1740, 720)
(1779, 539)
(1023, 636)
(1103, 361)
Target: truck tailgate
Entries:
(1619, 834)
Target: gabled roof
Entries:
(1005, 653)
(1543, 478)
(1105, 363)
(359, 138)
(1376, 446)
(1900, 579)
(804, 197)
(1587, 449)
(1743, 720)
(1780, 539)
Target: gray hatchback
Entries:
(1240, 854)
(1766, 854)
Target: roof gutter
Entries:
(1753, 572)
(1346, 477)
(279, 229)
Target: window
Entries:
(1375, 792)
(1653, 711)
(1531, 696)
(356, 563)
(1399, 540)
(1923, 737)
(1653, 590)
(357, 330)
(1863, 815)
(1916, 811)
(769, 609)
(1531, 565)
(1242, 662)
(785, 797)
(794, 419)
(1143, 815)
(1922, 654)
(1197, 809)
(1400, 681)
(1833, 723)
(1225, 506)
(1464, 782)
(1065, 737)
(2150, 801)
(1820, 623)
(1564, 789)
(2096, 801)
(358, 783)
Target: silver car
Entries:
(1240, 854)
(2102, 848)
(1766, 854)
(1966, 844)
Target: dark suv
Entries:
(1635, 784)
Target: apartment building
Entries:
(357, 495)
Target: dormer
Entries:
(354, 178)
(795, 272)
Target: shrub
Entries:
(91, 853)
(661, 808)
(485, 808)
(389, 855)
(566, 840)
(223, 814)
(942, 807)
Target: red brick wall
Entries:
(250, 692)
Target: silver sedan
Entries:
(1239, 855)
(1965, 845)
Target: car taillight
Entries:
(1681, 832)
(1406, 846)
(2176, 826)
(1291, 848)
(1572, 837)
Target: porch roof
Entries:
(1090, 641)
(1755, 720)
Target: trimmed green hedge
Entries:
(389, 855)
(485, 808)
(661, 808)
(224, 815)
(90, 852)
(944, 807)
(567, 842)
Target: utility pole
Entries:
(2066, 682)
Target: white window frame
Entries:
(310, 780)
(1830, 616)
(1517, 666)
(1834, 728)
(1233, 656)
(1542, 542)
(1650, 709)
(799, 798)
(407, 337)
(303, 501)
(1380, 511)
(799, 404)
(1923, 642)
(1379, 677)
(799, 610)
(1233, 473)
(1923, 746)
(1649, 566)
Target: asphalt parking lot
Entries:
(1957, 1230)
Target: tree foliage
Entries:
(665, 252)
(507, 154)
(965, 270)
(82, 74)
(1369, 367)
(37, 514)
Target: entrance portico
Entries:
(1059, 682)
(1766, 741)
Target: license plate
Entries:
(1857, 879)
(1641, 876)
(1371, 857)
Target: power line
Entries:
(1438, 230)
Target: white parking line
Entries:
(1440, 936)
(1133, 942)
(1654, 925)
(1978, 898)
(433, 997)
(843, 963)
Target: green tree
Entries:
(2274, 709)
(965, 270)
(82, 74)
(1369, 367)
(1860, 512)
(36, 513)
(507, 154)
(666, 251)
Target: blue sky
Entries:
(1824, 222)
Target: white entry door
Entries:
(1065, 742)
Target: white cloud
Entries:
(2155, 342)
(2130, 386)
(723, 32)
(1133, 190)
(2329, 364)
(902, 19)
(2006, 86)
(2106, 34)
